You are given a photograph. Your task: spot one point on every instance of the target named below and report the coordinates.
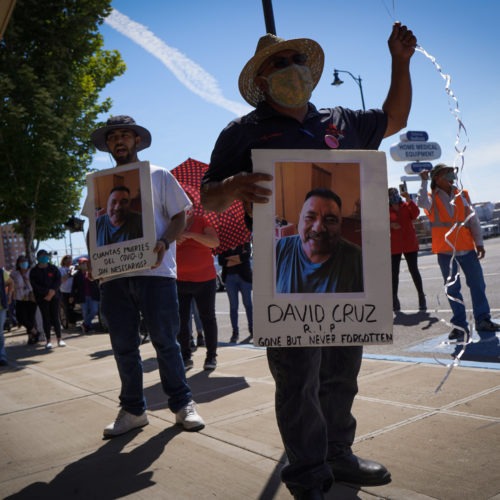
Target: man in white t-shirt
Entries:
(150, 292)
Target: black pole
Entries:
(269, 16)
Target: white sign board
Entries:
(345, 311)
(415, 151)
(121, 222)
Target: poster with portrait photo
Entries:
(121, 222)
(321, 249)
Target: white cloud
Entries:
(190, 74)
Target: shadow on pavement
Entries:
(101, 354)
(204, 388)
(414, 319)
(22, 356)
(109, 472)
(487, 349)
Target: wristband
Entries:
(165, 242)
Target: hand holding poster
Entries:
(121, 222)
(321, 249)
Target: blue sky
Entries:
(184, 58)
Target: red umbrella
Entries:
(230, 224)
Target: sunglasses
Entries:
(284, 62)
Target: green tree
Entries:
(52, 70)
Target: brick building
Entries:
(11, 246)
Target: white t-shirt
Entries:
(169, 199)
(67, 284)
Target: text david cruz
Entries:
(120, 260)
(318, 325)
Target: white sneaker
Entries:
(125, 422)
(61, 343)
(189, 418)
(48, 345)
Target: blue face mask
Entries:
(449, 176)
(394, 199)
(43, 259)
(24, 265)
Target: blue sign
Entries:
(418, 167)
(413, 135)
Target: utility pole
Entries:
(269, 16)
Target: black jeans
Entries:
(68, 308)
(411, 261)
(50, 316)
(25, 314)
(315, 389)
(204, 295)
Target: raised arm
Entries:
(423, 199)
(397, 104)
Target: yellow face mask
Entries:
(291, 87)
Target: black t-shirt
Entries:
(265, 128)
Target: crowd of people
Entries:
(43, 298)
(315, 386)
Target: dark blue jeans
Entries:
(315, 389)
(122, 300)
(471, 268)
(235, 284)
(90, 308)
(203, 293)
(197, 321)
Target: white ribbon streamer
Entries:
(458, 164)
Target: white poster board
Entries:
(121, 223)
(297, 319)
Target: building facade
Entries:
(11, 246)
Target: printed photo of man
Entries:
(318, 259)
(119, 223)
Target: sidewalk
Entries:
(54, 405)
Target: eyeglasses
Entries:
(283, 62)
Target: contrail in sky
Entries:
(190, 74)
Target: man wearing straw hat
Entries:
(315, 387)
(150, 293)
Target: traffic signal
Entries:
(74, 224)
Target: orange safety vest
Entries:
(441, 222)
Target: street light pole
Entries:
(337, 81)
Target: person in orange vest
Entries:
(449, 209)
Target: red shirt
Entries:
(404, 239)
(195, 261)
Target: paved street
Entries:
(416, 334)
(438, 444)
(420, 334)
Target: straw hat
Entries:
(267, 46)
(116, 122)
